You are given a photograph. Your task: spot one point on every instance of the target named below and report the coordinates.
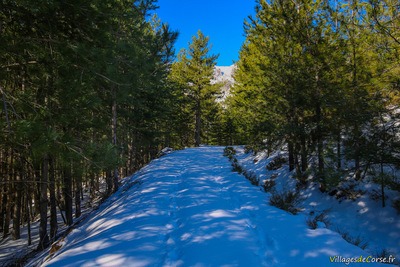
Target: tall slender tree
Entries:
(193, 73)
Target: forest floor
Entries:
(189, 209)
(16, 252)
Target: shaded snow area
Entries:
(188, 208)
(361, 219)
(12, 252)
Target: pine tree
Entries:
(317, 73)
(69, 72)
(193, 72)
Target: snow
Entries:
(363, 217)
(188, 208)
(224, 75)
(16, 250)
(11, 250)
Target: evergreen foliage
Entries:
(319, 76)
(84, 95)
(88, 91)
(192, 74)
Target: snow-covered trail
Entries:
(189, 209)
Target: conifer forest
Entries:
(92, 90)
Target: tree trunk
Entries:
(28, 200)
(36, 192)
(109, 182)
(17, 208)
(43, 236)
(53, 201)
(304, 164)
(291, 156)
(7, 202)
(382, 156)
(114, 139)
(28, 217)
(6, 211)
(320, 144)
(383, 185)
(2, 189)
(1, 209)
(296, 160)
(357, 157)
(339, 151)
(197, 134)
(78, 190)
(67, 192)
(92, 186)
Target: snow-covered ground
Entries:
(361, 219)
(13, 251)
(189, 209)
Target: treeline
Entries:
(322, 77)
(84, 95)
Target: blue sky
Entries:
(221, 20)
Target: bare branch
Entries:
(18, 64)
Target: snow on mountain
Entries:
(188, 208)
(224, 74)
